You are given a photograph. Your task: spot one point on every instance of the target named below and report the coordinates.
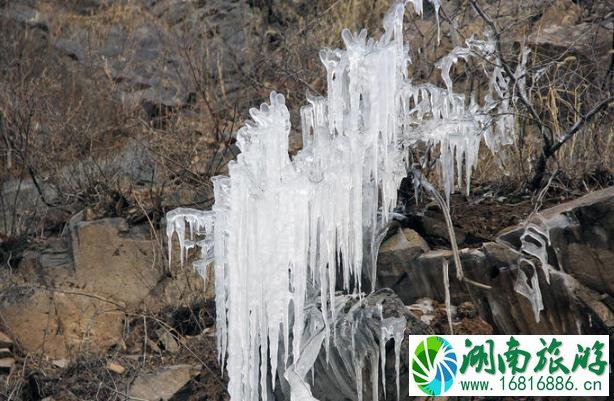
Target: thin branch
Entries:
(504, 64)
(604, 104)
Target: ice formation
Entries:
(287, 233)
(534, 242)
(529, 288)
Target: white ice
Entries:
(286, 227)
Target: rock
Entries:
(465, 319)
(6, 365)
(581, 234)
(60, 324)
(576, 300)
(168, 341)
(496, 266)
(114, 260)
(69, 293)
(433, 228)
(132, 161)
(162, 384)
(598, 305)
(23, 14)
(60, 363)
(153, 347)
(5, 352)
(422, 277)
(140, 54)
(560, 30)
(581, 250)
(182, 286)
(395, 253)
(5, 341)
(115, 368)
(582, 238)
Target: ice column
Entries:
(291, 231)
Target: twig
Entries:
(63, 291)
(604, 104)
(504, 64)
(445, 208)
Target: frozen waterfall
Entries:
(288, 232)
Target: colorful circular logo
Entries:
(434, 366)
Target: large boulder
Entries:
(71, 293)
(157, 54)
(115, 260)
(562, 28)
(61, 323)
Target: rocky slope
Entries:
(86, 292)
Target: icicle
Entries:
(199, 222)
(399, 333)
(284, 225)
(530, 291)
(534, 242)
(417, 6)
(374, 370)
(358, 373)
(437, 6)
(392, 328)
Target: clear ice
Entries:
(534, 242)
(287, 233)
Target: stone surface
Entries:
(432, 226)
(400, 248)
(561, 29)
(115, 368)
(6, 364)
(5, 341)
(60, 324)
(70, 293)
(133, 162)
(24, 14)
(162, 384)
(113, 260)
(496, 266)
(581, 281)
(150, 52)
(104, 257)
(168, 341)
(582, 238)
